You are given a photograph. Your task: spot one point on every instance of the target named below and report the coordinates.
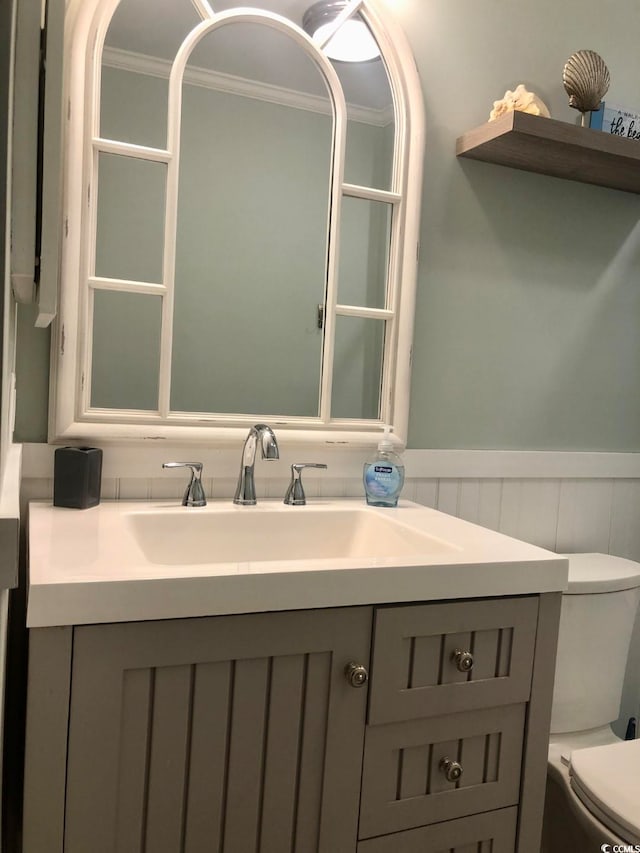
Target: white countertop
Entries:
(87, 566)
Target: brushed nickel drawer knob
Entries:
(356, 674)
(463, 660)
(451, 769)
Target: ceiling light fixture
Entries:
(352, 41)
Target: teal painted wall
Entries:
(528, 306)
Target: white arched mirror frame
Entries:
(72, 416)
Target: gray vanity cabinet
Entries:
(235, 733)
(243, 734)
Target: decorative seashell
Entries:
(586, 80)
(520, 99)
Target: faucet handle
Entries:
(194, 494)
(295, 493)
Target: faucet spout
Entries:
(259, 435)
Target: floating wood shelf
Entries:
(556, 148)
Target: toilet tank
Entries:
(596, 622)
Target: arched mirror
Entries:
(240, 222)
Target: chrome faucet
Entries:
(246, 491)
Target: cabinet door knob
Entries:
(356, 674)
(451, 769)
(463, 660)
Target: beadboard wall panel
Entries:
(625, 519)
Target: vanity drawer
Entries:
(491, 832)
(404, 786)
(415, 671)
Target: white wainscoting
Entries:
(563, 515)
(566, 502)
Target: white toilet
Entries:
(593, 778)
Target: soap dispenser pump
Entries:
(383, 475)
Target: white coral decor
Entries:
(520, 99)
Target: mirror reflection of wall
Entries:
(251, 239)
(242, 226)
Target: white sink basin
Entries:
(125, 560)
(179, 536)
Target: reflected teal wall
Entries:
(250, 254)
(528, 308)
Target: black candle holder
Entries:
(77, 477)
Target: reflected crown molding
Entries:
(151, 66)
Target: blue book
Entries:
(596, 118)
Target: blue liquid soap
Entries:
(383, 476)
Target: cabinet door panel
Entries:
(245, 772)
(404, 786)
(137, 693)
(209, 755)
(492, 832)
(168, 754)
(415, 674)
(307, 826)
(234, 733)
(282, 748)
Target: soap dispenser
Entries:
(383, 476)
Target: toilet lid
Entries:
(592, 573)
(607, 780)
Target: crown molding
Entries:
(151, 66)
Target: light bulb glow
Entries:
(353, 42)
